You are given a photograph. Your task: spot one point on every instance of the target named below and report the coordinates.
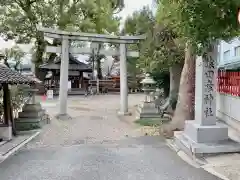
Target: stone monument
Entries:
(32, 115)
(148, 108)
(204, 135)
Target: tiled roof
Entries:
(74, 64)
(12, 77)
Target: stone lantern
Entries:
(148, 109)
(148, 87)
(32, 115)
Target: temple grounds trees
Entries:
(19, 20)
(200, 24)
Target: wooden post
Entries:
(81, 79)
(6, 105)
(97, 85)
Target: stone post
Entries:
(64, 77)
(97, 85)
(123, 81)
(33, 98)
(204, 128)
(203, 135)
(205, 92)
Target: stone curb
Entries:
(183, 155)
(18, 147)
(211, 170)
(194, 162)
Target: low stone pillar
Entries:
(204, 135)
(6, 133)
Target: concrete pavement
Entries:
(133, 159)
(96, 144)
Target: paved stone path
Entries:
(96, 144)
(93, 120)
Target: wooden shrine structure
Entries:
(75, 75)
(65, 49)
(9, 77)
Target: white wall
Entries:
(225, 46)
(228, 109)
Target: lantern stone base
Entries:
(6, 133)
(63, 117)
(147, 110)
(200, 140)
(124, 113)
(30, 118)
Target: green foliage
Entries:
(200, 22)
(151, 122)
(15, 55)
(17, 99)
(19, 19)
(162, 79)
(159, 51)
(139, 22)
(162, 49)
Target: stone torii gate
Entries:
(65, 49)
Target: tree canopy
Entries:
(161, 49)
(19, 19)
(13, 56)
(200, 22)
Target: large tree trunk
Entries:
(166, 86)
(185, 104)
(99, 67)
(175, 74)
(38, 59)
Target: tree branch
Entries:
(33, 1)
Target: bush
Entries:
(17, 99)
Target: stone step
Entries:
(32, 107)
(28, 120)
(15, 142)
(233, 132)
(30, 114)
(232, 123)
(29, 124)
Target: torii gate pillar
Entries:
(63, 90)
(101, 38)
(123, 81)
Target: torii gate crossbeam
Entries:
(65, 49)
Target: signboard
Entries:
(50, 94)
(69, 84)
